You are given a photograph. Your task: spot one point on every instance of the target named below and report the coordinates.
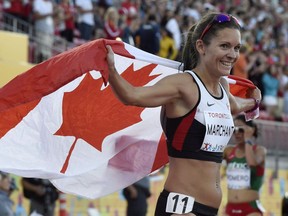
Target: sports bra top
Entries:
(204, 132)
(242, 176)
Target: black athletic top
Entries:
(202, 133)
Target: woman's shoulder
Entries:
(261, 149)
(182, 76)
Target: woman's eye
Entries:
(237, 49)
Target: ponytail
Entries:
(190, 55)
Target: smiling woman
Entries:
(192, 102)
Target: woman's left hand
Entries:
(254, 93)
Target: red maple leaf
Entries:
(92, 114)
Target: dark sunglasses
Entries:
(220, 18)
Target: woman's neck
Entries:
(211, 83)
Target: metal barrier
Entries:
(274, 136)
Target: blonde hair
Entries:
(109, 15)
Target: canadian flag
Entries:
(61, 121)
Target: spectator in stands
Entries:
(28, 11)
(284, 82)
(42, 195)
(127, 35)
(1, 13)
(167, 45)
(258, 61)
(173, 25)
(43, 11)
(15, 8)
(147, 37)
(6, 205)
(111, 21)
(68, 19)
(245, 166)
(271, 84)
(240, 68)
(136, 196)
(132, 8)
(86, 22)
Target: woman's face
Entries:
(243, 131)
(222, 52)
(5, 183)
(239, 131)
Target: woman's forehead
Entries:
(229, 35)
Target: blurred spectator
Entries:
(131, 8)
(284, 86)
(128, 30)
(193, 10)
(15, 8)
(136, 196)
(68, 18)
(104, 3)
(172, 24)
(99, 14)
(1, 12)
(6, 205)
(42, 195)
(167, 45)
(240, 68)
(271, 85)
(147, 37)
(86, 23)
(111, 21)
(43, 12)
(258, 60)
(28, 11)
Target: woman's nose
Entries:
(232, 54)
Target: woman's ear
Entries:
(200, 47)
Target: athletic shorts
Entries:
(243, 209)
(173, 203)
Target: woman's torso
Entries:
(244, 182)
(199, 179)
(195, 145)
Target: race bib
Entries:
(219, 129)
(238, 178)
(179, 203)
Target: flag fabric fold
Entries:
(61, 121)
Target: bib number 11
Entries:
(179, 203)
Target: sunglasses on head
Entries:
(220, 18)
